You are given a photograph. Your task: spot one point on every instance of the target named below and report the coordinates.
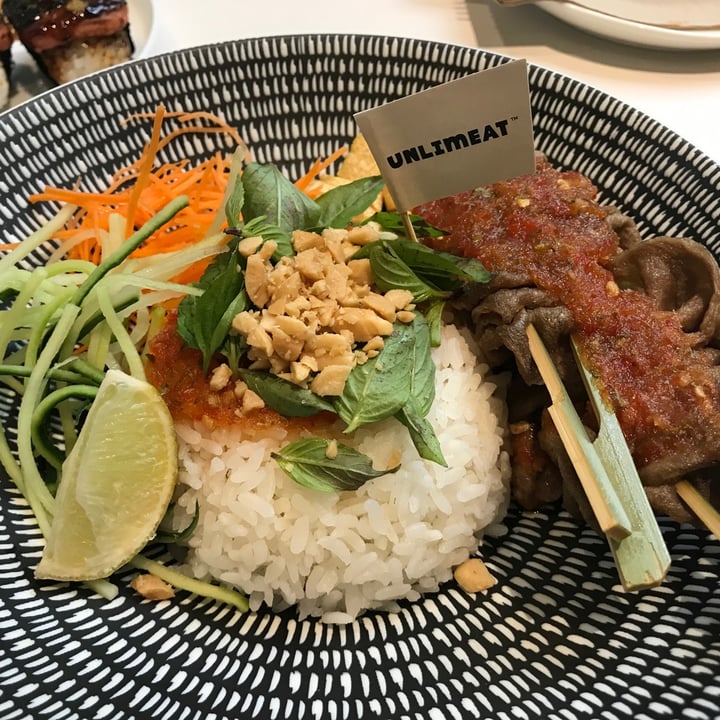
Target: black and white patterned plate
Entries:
(556, 638)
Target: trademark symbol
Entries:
(514, 117)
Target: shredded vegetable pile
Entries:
(165, 235)
(119, 255)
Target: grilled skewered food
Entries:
(646, 314)
(72, 38)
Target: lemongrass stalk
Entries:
(32, 485)
(133, 242)
(104, 588)
(91, 315)
(132, 356)
(19, 335)
(15, 314)
(116, 234)
(68, 427)
(166, 265)
(183, 582)
(9, 463)
(40, 236)
(79, 237)
(69, 267)
(40, 326)
(140, 325)
(12, 382)
(123, 280)
(99, 346)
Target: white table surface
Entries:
(681, 89)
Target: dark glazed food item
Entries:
(71, 39)
(6, 40)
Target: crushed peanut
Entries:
(522, 202)
(473, 576)
(332, 450)
(152, 587)
(249, 246)
(251, 401)
(612, 288)
(220, 377)
(315, 308)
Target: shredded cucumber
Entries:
(63, 325)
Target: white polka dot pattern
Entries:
(555, 639)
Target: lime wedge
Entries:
(116, 483)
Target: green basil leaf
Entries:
(259, 226)
(186, 321)
(217, 338)
(204, 321)
(268, 192)
(234, 204)
(380, 387)
(392, 272)
(422, 372)
(433, 315)
(341, 204)
(233, 349)
(393, 222)
(422, 434)
(307, 463)
(440, 269)
(284, 397)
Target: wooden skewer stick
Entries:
(409, 229)
(700, 506)
(603, 499)
(608, 475)
(642, 559)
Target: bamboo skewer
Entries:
(593, 476)
(642, 558)
(608, 475)
(700, 506)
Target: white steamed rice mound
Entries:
(335, 555)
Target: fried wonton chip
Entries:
(360, 163)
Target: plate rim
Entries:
(684, 149)
(628, 31)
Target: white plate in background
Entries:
(27, 80)
(630, 32)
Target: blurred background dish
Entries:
(27, 79)
(614, 27)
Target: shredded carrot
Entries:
(145, 169)
(319, 166)
(140, 189)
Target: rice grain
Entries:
(335, 555)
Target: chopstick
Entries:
(608, 475)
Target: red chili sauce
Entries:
(176, 371)
(548, 226)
